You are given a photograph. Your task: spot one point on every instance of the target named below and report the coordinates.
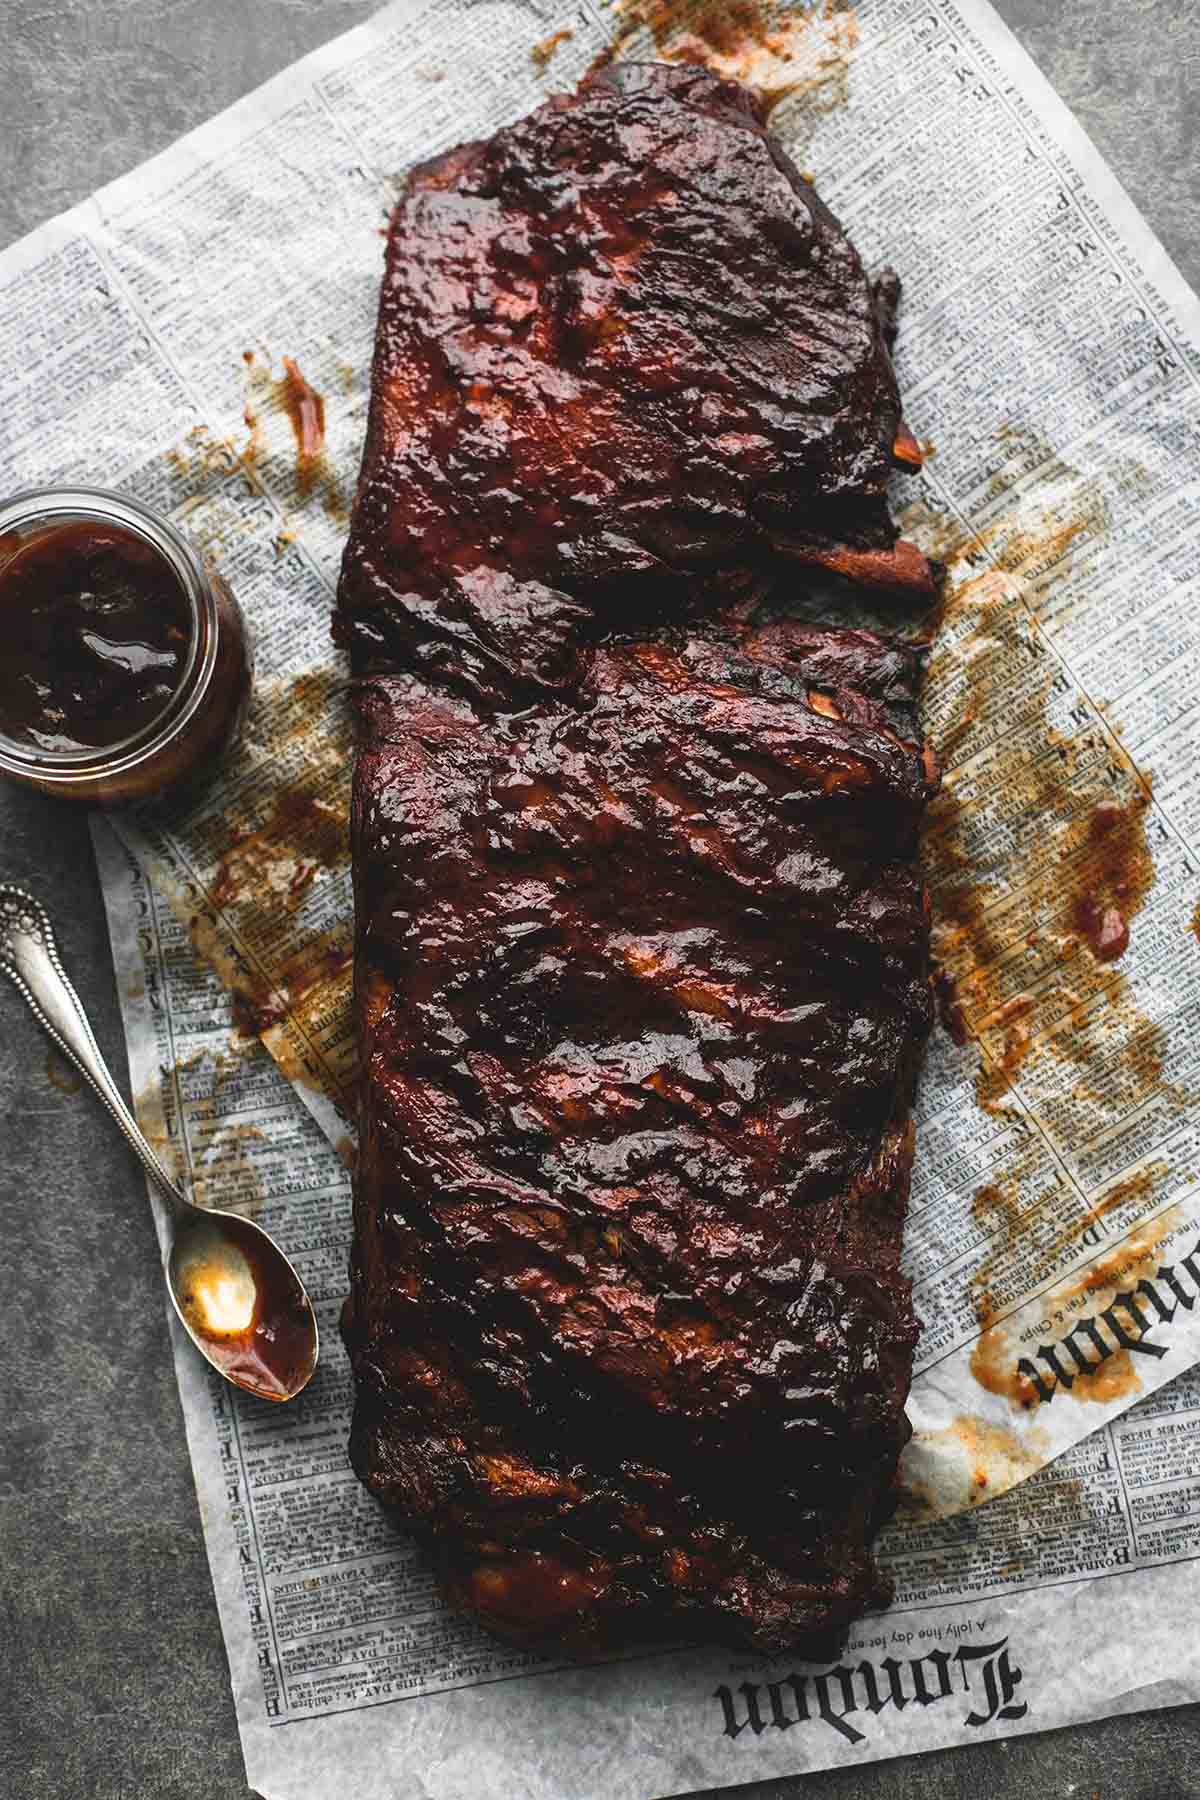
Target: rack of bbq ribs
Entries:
(642, 946)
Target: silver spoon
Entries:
(237, 1295)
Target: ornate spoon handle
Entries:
(29, 957)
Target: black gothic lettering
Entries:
(895, 1695)
(941, 1663)
(1141, 1343)
(845, 1679)
(754, 1719)
(779, 1713)
(1000, 1681)
(988, 1679)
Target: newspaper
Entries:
(154, 339)
(350, 1676)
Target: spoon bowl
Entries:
(242, 1303)
(237, 1296)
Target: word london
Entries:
(983, 1672)
(1122, 1325)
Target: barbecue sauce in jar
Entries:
(124, 658)
(97, 632)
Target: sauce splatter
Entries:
(60, 1074)
(265, 862)
(543, 52)
(1038, 854)
(965, 1463)
(994, 1366)
(200, 461)
(996, 1355)
(305, 409)
(251, 1017)
(1040, 859)
(949, 1007)
(1116, 875)
(1007, 1212)
(783, 52)
(1012, 1211)
(292, 396)
(222, 1170)
(1115, 1379)
(302, 833)
(1008, 1021)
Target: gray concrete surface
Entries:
(114, 1684)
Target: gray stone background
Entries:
(113, 1682)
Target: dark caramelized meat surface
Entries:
(642, 976)
(625, 353)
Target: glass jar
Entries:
(207, 703)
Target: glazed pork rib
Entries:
(642, 946)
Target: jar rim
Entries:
(35, 507)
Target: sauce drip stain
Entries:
(61, 1075)
(949, 1007)
(780, 51)
(1040, 862)
(992, 1458)
(199, 463)
(265, 862)
(993, 1364)
(301, 834)
(293, 395)
(305, 409)
(223, 1170)
(1116, 1377)
(1004, 1209)
(996, 1354)
(543, 52)
(1030, 925)
(1116, 876)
